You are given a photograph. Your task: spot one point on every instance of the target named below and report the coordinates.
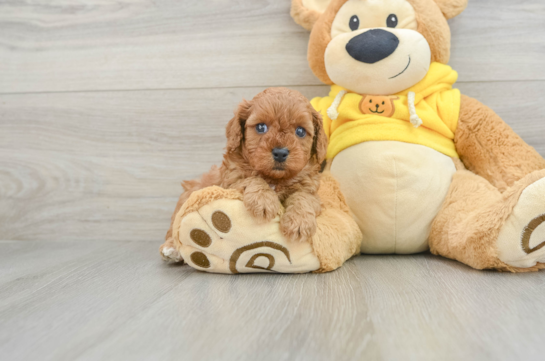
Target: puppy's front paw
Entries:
(298, 227)
(262, 205)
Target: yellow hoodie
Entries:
(361, 118)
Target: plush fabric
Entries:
(385, 183)
(451, 8)
(489, 213)
(214, 232)
(473, 215)
(490, 148)
(433, 25)
(437, 104)
(411, 163)
(523, 216)
(306, 17)
(376, 55)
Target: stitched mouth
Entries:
(279, 167)
(407, 67)
(376, 112)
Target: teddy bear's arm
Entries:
(490, 148)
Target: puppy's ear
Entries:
(306, 12)
(235, 128)
(319, 144)
(451, 8)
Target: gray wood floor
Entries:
(105, 106)
(109, 300)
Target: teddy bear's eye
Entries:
(261, 128)
(300, 132)
(354, 23)
(391, 21)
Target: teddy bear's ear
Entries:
(306, 12)
(451, 8)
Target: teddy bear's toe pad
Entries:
(222, 237)
(521, 242)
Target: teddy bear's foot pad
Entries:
(521, 242)
(223, 237)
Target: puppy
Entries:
(275, 147)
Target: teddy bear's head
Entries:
(376, 47)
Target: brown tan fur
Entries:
(338, 237)
(496, 164)
(305, 18)
(467, 227)
(490, 148)
(431, 23)
(500, 165)
(320, 38)
(248, 165)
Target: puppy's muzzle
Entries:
(372, 46)
(280, 154)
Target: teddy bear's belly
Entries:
(394, 191)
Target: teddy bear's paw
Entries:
(223, 237)
(521, 241)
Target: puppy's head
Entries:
(377, 47)
(278, 133)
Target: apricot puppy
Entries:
(275, 148)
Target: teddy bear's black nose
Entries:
(372, 46)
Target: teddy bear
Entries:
(441, 171)
(412, 164)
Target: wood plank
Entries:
(108, 165)
(117, 300)
(167, 44)
(493, 39)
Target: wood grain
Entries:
(108, 165)
(105, 106)
(118, 301)
(167, 44)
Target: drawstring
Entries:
(415, 119)
(332, 112)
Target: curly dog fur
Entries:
(249, 166)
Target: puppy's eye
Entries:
(354, 22)
(300, 132)
(391, 21)
(261, 128)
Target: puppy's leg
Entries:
(299, 221)
(259, 198)
(167, 250)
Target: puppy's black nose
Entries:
(280, 154)
(372, 46)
